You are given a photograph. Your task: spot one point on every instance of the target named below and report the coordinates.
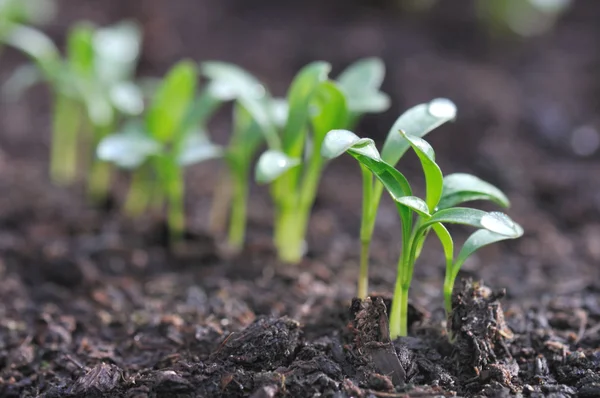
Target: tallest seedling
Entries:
(293, 163)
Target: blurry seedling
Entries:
(419, 216)
(92, 88)
(158, 148)
(293, 164)
(26, 12)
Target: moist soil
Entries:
(96, 305)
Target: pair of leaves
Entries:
(163, 129)
(454, 189)
(360, 83)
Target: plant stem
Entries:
(63, 151)
(290, 227)
(138, 196)
(237, 220)
(399, 311)
(220, 203)
(99, 181)
(175, 208)
(366, 232)
(448, 285)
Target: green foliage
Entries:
(418, 216)
(292, 164)
(92, 87)
(160, 145)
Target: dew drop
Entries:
(499, 223)
(442, 108)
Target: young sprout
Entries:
(252, 123)
(293, 164)
(160, 146)
(419, 217)
(92, 90)
(417, 121)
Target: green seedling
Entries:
(26, 12)
(293, 163)
(417, 121)
(419, 217)
(253, 121)
(92, 91)
(160, 146)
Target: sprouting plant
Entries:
(419, 217)
(92, 91)
(158, 147)
(255, 117)
(417, 121)
(293, 163)
(27, 12)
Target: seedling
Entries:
(92, 90)
(160, 146)
(419, 216)
(293, 164)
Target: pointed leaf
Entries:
(117, 50)
(447, 243)
(127, 98)
(414, 203)
(230, 82)
(360, 82)
(417, 122)
(273, 164)
(128, 149)
(36, 45)
(461, 187)
(306, 82)
(330, 113)
(494, 221)
(476, 241)
(502, 224)
(433, 175)
(337, 142)
(198, 148)
(172, 101)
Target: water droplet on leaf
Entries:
(442, 108)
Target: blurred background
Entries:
(524, 74)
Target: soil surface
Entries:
(95, 305)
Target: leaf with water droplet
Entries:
(272, 164)
(417, 121)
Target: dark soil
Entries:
(92, 304)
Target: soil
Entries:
(95, 305)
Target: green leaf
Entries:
(414, 203)
(476, 241)
(171, 102)
(461, 187)
(447, 243)
(306, 82)
(23, 77)
(433, 175)
(128, 149)
(117, 50)
(360, 82)
(197, 148)
(80, 51)
(127, 98)
(231, 82)
(337, 142)
(330, 111)
(36, 45)
(502, 224)
(272, 164)
(494, 221)
(417, 121)
(247, 136)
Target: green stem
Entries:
(399, 311)
(448, 285)
(237, 220)
(220, 203)
(138, 196)
(175, 210)
(369, 213)
(290, 227)
(63, 151)
(99, 181)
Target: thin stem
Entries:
(448, 287)
(220, 203)
(100, 172)
(290, 230)
(175, 210)
(366, 232)
(63, 151)
(238, 218)
(138, 196)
